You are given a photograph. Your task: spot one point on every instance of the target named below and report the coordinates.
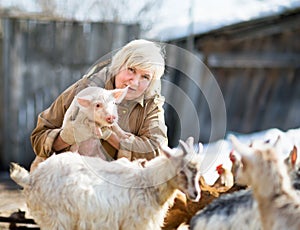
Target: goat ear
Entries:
(166, 150)
(119, 94)
(293, 156)
(84, 102)
(241, 148)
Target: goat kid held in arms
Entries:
(140, 130)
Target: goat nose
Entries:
(110, 119)
(195, 194)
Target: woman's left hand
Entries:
(120, 132)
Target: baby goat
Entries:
(92, 109)
(238, 210)
(71, 191)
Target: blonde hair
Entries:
(141, 54)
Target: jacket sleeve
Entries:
(49, 121)
(151, 134)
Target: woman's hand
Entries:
(120, 132)
(116, 134)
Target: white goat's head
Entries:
(99, 105)
(187, 163)
(260, 161)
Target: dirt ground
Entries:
(12, 204)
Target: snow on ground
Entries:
(218, 152)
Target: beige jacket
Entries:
(143, 117)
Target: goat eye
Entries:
(98, 105)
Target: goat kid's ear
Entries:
(119, 94)
(84, 102)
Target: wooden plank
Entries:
(254, 60)
(7, 26)
(101, 42)
(272, 116)
(255, 80)
(291, 117)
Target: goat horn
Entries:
(184, 147)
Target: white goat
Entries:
(92, 109)
(266, 173)
(238, 210)
(71, 191)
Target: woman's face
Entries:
(136, 80)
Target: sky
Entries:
(169, 19)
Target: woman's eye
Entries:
(131, 69)
(146, 77)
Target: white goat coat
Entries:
(70, 191)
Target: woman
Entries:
(141, 128)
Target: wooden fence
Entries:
(40, 59)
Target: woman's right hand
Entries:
(120, 132)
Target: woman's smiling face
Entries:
(137, 81)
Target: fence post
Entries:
(7, 31)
